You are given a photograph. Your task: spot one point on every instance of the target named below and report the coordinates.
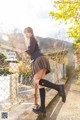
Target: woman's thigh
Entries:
(39, 75)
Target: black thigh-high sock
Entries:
(42, 97)
(46, 83)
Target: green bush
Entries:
(2, 57)
(70, 71)
(4, 72)
(78, 68)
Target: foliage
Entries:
(2, 57)
(69, 71)
(68, 11)
(24, 67)
(79, 68)
(77, 44)
(4, 71)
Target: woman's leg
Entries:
(43, 82)
(40, 74)
(59, 88)
(36, 93)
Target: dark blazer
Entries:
(33, 49)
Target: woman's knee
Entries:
(36, 81)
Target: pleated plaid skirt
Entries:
(40, 63)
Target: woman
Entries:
(40, 67)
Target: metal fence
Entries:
(16, 86)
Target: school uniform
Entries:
(39, 61)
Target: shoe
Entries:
(62, 93)
(38, 110)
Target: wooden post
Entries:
(13, 67)
(57, 76)
(13, 87)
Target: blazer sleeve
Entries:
(31, 47)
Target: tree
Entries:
(68, 11)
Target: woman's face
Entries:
(28, 35)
